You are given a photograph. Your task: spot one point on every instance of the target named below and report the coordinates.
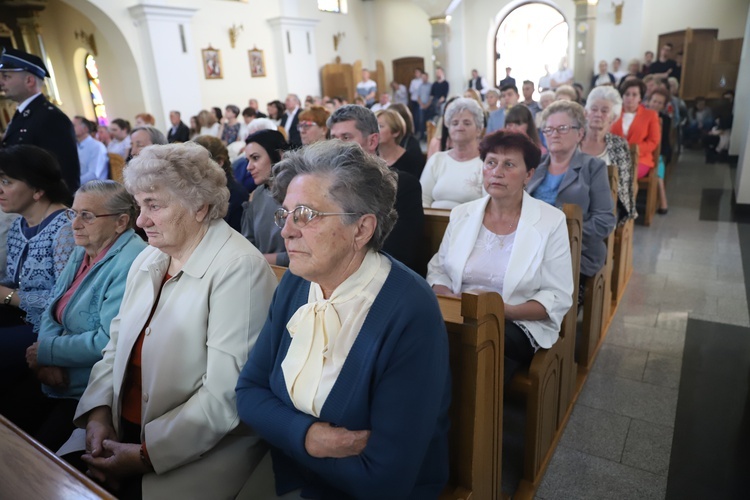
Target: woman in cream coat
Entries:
(159, 411)
(510, 243)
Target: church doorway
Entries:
(531, 37)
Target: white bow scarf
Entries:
(314, 328)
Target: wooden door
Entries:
(403, 69)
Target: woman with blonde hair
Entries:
(392, 130)
(208, 124)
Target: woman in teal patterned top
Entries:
(39, 244)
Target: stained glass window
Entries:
(92, 74)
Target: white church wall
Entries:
(403, 30)
(210, 26)
(119, 80)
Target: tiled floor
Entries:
(618, 440)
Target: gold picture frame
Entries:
(257, 63)
(212, 66)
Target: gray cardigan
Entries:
(585, 184)
(258, 225)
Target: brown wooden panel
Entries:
(28, 470)
(403, 69)
(337, 81)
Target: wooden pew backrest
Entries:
(475, 325)
(435, 223)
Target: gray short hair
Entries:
(570, 108)
(156, 135)
(465, 104)
(117, 200)
(186, 170)
(364, 119)
(606, 93)
(360, 182)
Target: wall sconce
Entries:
(337, 39)
(618, 11)
(88, 40)
(234, 33)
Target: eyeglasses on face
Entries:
(301, 215)
(562, 129)
(306, 125)
(86, 216)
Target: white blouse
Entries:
(486, 266)
(447, 183)
(627, 121)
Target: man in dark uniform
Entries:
(37, 121)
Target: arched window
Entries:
(92, 75)
(531, 37)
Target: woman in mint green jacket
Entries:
(75, 327)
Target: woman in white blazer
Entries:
(510, 243)
(159, 411)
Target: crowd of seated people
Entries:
(330, 368)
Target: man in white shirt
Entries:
(400, 95)
(545, 82)
(367, 88)
(414, 107)
(563, 76)
(385, 102)
(92, 154)
(617, 70)
(291, 120)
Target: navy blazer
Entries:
(586, 184)
(395, 382)
(42, 124)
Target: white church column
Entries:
(170, 72)
(294, 42)
(585, 37)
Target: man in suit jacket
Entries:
(37, 121)
(478, 83)
(358, 124)
(290, 120)
(179, 131)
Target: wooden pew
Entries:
(116, 166)
(550, 382)
(476, 335)
(278, 271)
(475, 325)
(29, 470)
(623, 251)
(597, 304)
(651, 184)
(435, 223)
(607, 308)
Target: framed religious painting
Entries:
(212, 67)
(257, 63)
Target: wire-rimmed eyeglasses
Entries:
(301, 215)
(86, 216)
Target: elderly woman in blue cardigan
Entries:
(39, 244)
(75, 327)
(349, 379)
